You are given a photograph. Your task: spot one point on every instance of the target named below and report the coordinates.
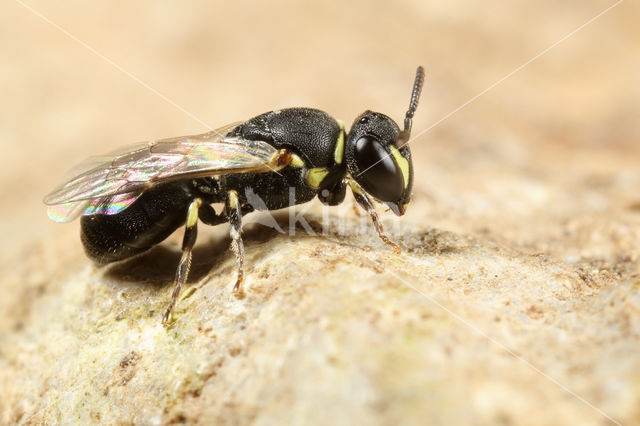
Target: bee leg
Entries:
(189, 239)
(234, 214)
(363, 201)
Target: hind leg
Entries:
(188, 241)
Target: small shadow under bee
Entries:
(157, 266)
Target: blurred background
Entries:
(68, 96)
(132, 71)
(527, 133)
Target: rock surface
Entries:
(516, 299)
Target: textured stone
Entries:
(516, 299)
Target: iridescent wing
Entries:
(109, 184)
(66, 212)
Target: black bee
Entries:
(133, 199)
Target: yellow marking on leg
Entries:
(355, 187)
(192, 215)
(316, 175)
(402, 163)
(339, 152)
(233, 199)
(182, 273)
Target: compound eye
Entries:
(378, 173)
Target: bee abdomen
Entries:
(147, 222)
(100, 244)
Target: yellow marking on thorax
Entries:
(339, 152)
(402, 163)
(316, 175)
(296, 161)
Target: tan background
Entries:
(525, 223)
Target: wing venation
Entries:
(108, 184)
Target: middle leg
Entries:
(234, 214)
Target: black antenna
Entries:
(415, 97)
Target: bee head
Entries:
(376, 163)
(378, 156)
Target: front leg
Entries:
(234, 214)
(363, 201)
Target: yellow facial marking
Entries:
(192, 214)
(402, 163)
(339, 152)
(233, 199)
(296, 161)
(316, 175)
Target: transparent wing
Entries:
(106, 205)
(67, 212)
(110, 183)
(95, 161)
